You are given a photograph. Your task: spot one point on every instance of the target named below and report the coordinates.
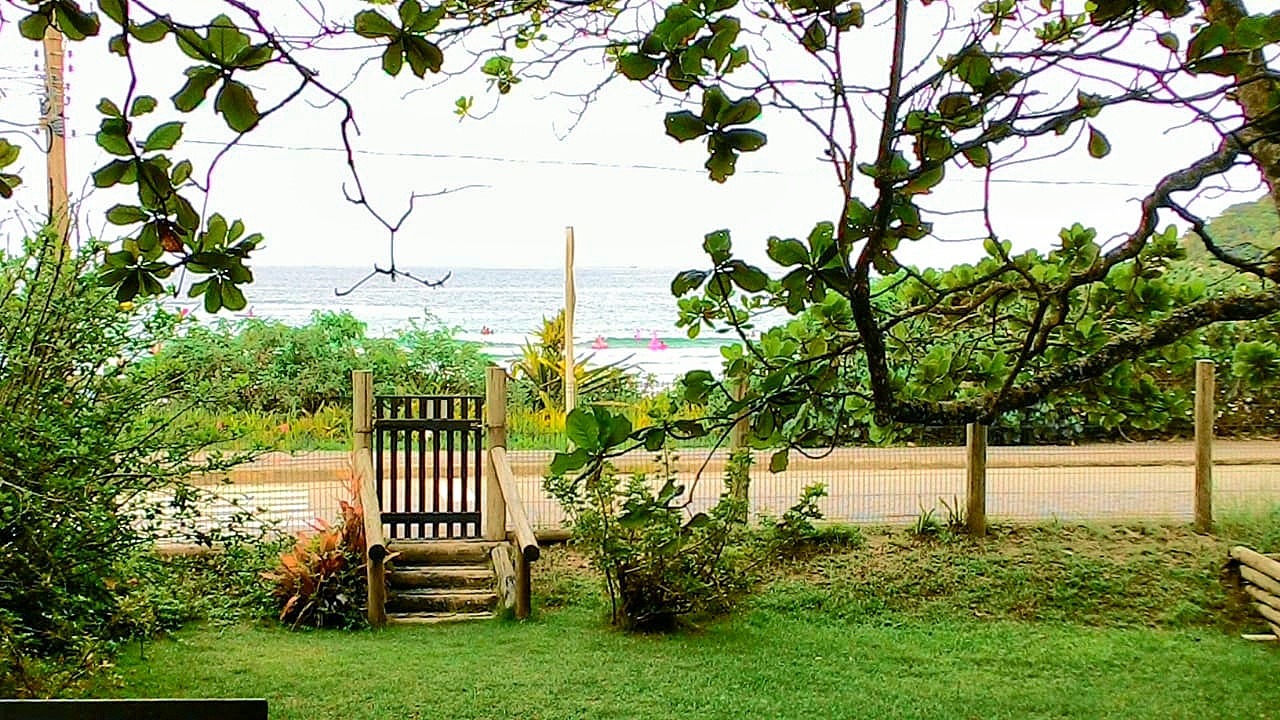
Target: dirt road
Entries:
(1096, 482)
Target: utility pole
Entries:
(570, 306)
(53, 107)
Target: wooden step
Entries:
(440, 552)
(460, 577)
(437, 618)
(441, 601)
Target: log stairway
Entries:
(435, 581)
(446, 534)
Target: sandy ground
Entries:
(1096, 482)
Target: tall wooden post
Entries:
(361, 409)
(1204, 445)
(54, 120)
(570, 306)
(976, 470)
(495, 425)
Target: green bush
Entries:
(85, 479)
(657, 564)
(270, 367)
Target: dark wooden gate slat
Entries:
(449, 441)
(395, 476)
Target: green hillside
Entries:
(1248, 229)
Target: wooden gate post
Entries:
(495, 425)
(361, 409)
(738, 434)
(1204, 445)
(976, 469)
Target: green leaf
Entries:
(1099, 147)
(372, 24)
(111, 173)
(787, 252)
(226, 40)
(718, 245)
(1210, 38)
(687, 281)
(199, 79)
(978, 156)
(151, 32)
(1169, 40)
(393, 58)
(635, 66)
(75, 23)
(253, 57)
(422, 55)
(164, 137)
(582, 430)
(684, 125)
(779, 461)
(232, 297)
(721, 164)
(33, 26)
(748, 277)
(745, 140)
(181, 172)
(410, 11)
(126, 215)
(815, 37)
(238, 107)
(567, 462)
(739, 113)
(112, 138)
(142, 105)
(114, 9)
(109, 108)
(213, 296)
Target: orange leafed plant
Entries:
(320, 581)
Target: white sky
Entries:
(622, 215)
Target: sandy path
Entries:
(1131, 481)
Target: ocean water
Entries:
(630, 309)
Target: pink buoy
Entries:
(600, 343)
(656, 343)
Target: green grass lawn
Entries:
(761, 665)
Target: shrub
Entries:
(320, 581)
(85, 480)
(658, 564)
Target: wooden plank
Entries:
(139, 709)
(1259, 637)
(410, 517)
(1263, 596)
(445, 424)
(504, 571)
(1204, 414)
(477, 465)
(361, 408)
(422, 468)
(1269, 613)
(526, 541)
(436, 529)
(1259, 579)
(1257, 561)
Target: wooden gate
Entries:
(427, 457)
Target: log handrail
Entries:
(526, 542)
(374, 542)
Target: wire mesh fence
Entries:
(287, 490)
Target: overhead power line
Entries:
(620, 166)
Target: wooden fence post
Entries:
(570, 308)
(1204, 445)
(361, 409)
(495, 422)
(976, 470)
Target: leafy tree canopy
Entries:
(903, 95)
